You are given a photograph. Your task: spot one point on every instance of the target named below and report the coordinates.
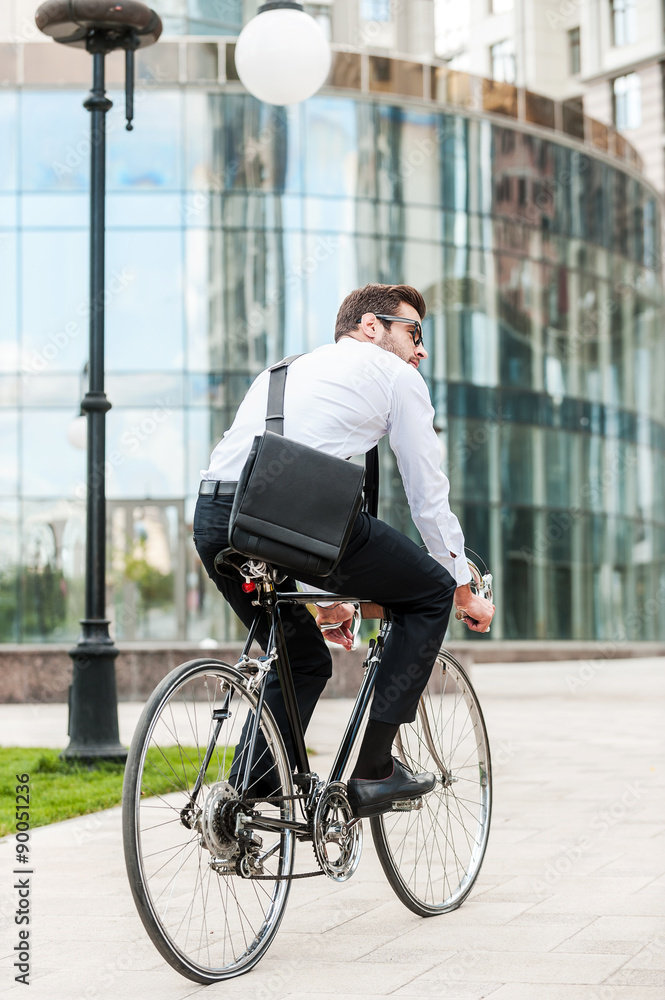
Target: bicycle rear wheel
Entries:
(202, 909)
(432, 856)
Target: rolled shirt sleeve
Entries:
(418, 453)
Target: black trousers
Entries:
(379, 564)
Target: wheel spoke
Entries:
(205, 919)
(432, 856)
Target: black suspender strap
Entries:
(275, 423)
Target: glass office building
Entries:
(235, 230)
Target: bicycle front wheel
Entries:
(191, 875)
(432, 856)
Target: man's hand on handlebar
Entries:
(337, 613)
(477, 612)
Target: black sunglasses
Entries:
(416, 333)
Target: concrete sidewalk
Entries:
(569, 904)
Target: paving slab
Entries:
(563, 992)
(569, 905)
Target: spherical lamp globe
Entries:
(77, 432)
(282, 55)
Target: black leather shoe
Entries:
(370, 798)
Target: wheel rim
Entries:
(436, 852)
(214, 922)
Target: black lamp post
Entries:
(100, 26)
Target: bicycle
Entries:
(208, 781)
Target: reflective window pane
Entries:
(144, 301)
(50, 465)
(8, 453)
(55, 141)
(134, 210)
(63, 209)
(331, 157)
(9, 571)
(516, 463)
(9, 346)
(149, 156)
(51, 579)
(55, 297)
(144, 592)
(8, 131)
(145, 453)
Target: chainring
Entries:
(337, 836)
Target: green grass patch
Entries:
(62, 789)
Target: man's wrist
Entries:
(463, 593)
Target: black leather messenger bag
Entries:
(294, 506)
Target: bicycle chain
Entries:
(284, 878)
(275, 800)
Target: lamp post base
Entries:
(93, 703)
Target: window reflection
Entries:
(478, 347)
(331, 153)
(145, 453)
(147, 389)
(199, 445)
(55, 141)
(8, 453)
(145, 588)
(560, 462)
(144, 300)
(9, 571)
(50, 466)
(332, 214)
(519, 612)
(468, 459)
(328, 272)
(516, 463)
(150, 210)
(55, 321)
(148, 157)
(8, 121)
(515, 303)
(9, 347)
(48, 389)
(63, 209)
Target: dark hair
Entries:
(376, 298)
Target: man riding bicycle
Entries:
(342, 398)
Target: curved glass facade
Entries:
(234, 231)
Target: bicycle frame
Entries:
(269, 603)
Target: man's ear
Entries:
(369, 326)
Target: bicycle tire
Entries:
(209, 924)
(432, 856)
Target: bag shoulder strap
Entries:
(371, 486)
(275, 423)
(276, 390)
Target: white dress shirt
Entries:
(342, 398)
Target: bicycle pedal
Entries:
(406, 805)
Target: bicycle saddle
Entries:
(228, 563)
(236, 566)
